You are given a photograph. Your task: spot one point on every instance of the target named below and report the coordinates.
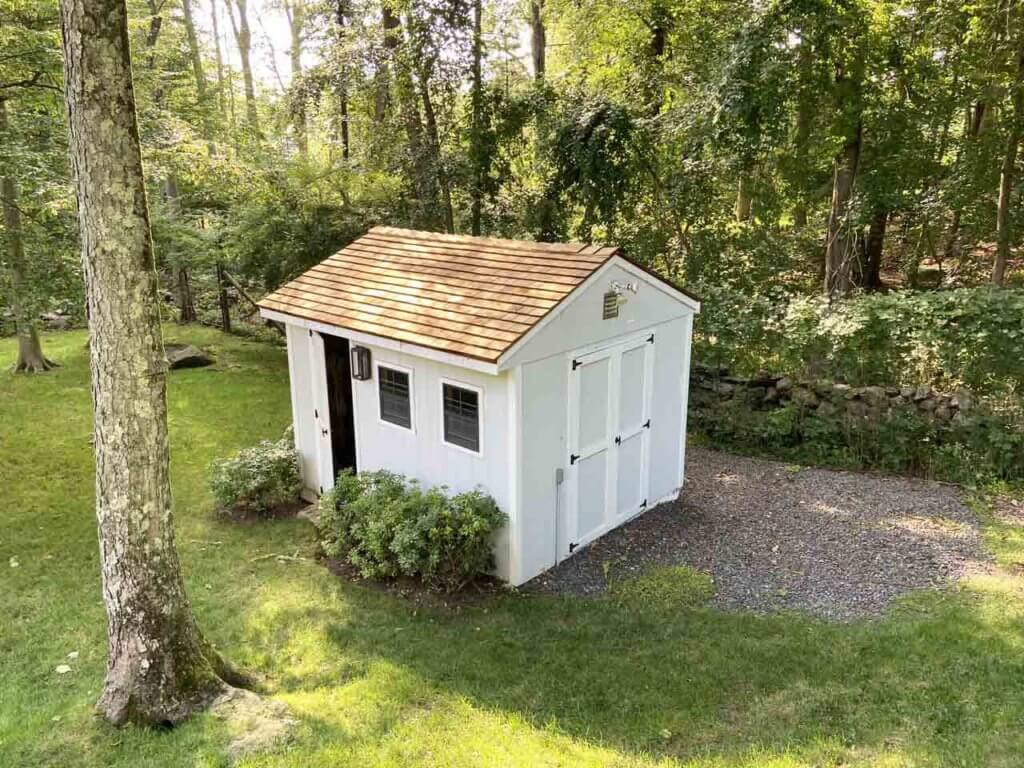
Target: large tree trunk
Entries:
(391, 27)
(840, 247)
(30, 350)
(1004, 223)
(243, 39)
(538, 38)
(477, 191)
(221, 100)
(159, 667)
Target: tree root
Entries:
(34, 365)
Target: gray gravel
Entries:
(839, 545)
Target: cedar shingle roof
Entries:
(471, 296)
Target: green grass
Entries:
(378, 681)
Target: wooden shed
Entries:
(552, 375)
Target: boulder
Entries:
(186, 356)
(55, 321)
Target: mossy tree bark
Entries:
(30, 350)
(159, 667)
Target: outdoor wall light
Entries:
(361, 370)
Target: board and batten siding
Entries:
(303, 423)
(542, 535)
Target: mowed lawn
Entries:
(523, 681)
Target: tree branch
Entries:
(31, 82)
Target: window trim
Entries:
(479, 410)
(377, 365)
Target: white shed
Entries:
(552, 375)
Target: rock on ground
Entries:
(186, 356)
(839, 545)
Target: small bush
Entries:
(259, 478)
(387, 526)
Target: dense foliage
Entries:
(386, 527)
(814, 170)
(257, 479)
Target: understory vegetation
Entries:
(259, 478)
(387, 526)
(378, 680)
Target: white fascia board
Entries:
(359, 337)
(615, 261)
(661, 285)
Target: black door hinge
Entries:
(576, 364)
(321, 490)
(310, 331)
(573, 457)
(316, 414)
(323, 432)
(572, 547)
(643, 503)
(647, 424)
(650, 339)
(618, 439)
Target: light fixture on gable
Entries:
(614, 297)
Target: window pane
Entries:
(394, 397)
(462, 417)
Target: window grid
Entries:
(462, 417)
(393, 387)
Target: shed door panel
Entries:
(592, 444)
(609, 406)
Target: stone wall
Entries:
(831, 400)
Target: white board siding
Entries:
(421, 452)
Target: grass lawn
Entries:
(523, 681)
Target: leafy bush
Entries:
(259, 478)
(387, 526)
(963, 338)
(979, 449)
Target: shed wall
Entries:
(301, 376)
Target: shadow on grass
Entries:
(936, 680)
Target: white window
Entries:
(461, 406)
(394, 389)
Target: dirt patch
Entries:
(477, 593)
(296, 508)
(255, 724)
(840, 545)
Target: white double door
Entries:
(609, 428)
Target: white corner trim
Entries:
(449, 358)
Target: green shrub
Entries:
(387, 526)
(259, 478)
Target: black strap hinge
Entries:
(643, 503)
(572, 547)
(321, 490)
(650, 339)
(647, 424)
(316, 414)
(310, 331)
(618, 439)
(573, 457)
(576, 364)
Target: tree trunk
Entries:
(159, 667)
(222, 295)
(1004, 223)
(869, 273)
(802, 137)
(186, 306)
(392, 39)
(840, 247)
(30, 350)
(972, 129)
(221, 101)
(197, 72)
(477, 191)
(538, 38)
(434, 139)
(295, 11)
(340, 17)
(243, 39)
(744, 201)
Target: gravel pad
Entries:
(840, 545)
